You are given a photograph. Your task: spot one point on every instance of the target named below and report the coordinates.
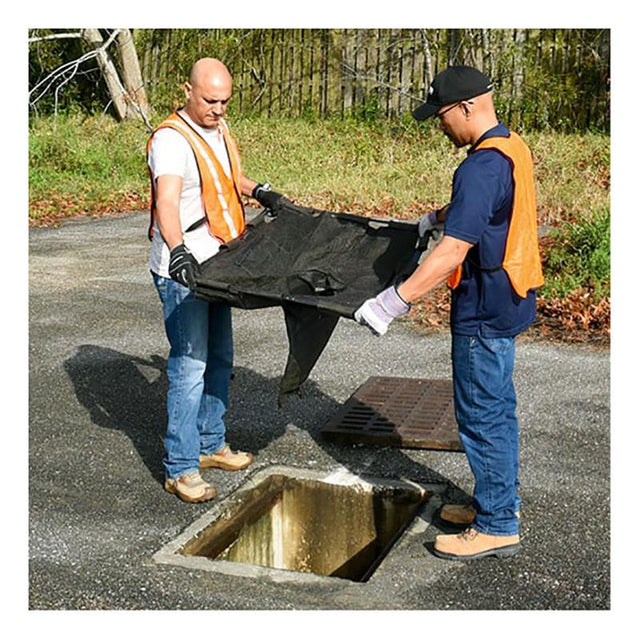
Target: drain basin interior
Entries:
(311, 526)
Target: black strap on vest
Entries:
(196, 224)
(485, 269)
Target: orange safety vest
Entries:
(220, 193)
(522, 257)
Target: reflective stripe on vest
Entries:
(220, 193)
(522, 257)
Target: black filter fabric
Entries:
(317, 265)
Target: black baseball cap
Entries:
(454, 84)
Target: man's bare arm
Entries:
(168, 190)
(436, 268)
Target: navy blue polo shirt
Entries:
(484, 303)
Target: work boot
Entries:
(471, 544)
(226, 459)
(190, 487)
(460, 513)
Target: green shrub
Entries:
(579, 256)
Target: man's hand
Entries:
(267, 198)
(428, 222)
(183, 267)
(378, 313)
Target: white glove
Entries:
(428, 222)
(378, 313)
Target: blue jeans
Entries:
(199, 371)
(485, 406)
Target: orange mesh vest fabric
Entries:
(522, 256)
(220, 193)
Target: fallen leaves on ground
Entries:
(578, 318)
(52, 211)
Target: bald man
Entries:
(196, 188)
(489, 257)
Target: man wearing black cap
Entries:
(489, 257)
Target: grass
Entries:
(93, 165)
(88, 164)
(85, 166)
(341, 164)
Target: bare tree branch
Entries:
(66, 72)
(55, 36)
(61, 71)
(360, 76)
(69, 66)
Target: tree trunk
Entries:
(95, 39)
(517, 76)
(428, 64)
(131, 74)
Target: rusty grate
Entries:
(406, 412)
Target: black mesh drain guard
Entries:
(405, 412)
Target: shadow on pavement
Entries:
(128, 393)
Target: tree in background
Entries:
(121, 74)
(545, 78)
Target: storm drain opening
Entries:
(311, 525)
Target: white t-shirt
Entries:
(171, 154)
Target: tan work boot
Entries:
(226, 459)
(190, 487)
(471, 544)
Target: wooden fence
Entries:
(544, 77)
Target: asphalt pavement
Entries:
(98, 515)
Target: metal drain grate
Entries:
(406, 412)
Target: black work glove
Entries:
(183, 267)
(263, 194)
